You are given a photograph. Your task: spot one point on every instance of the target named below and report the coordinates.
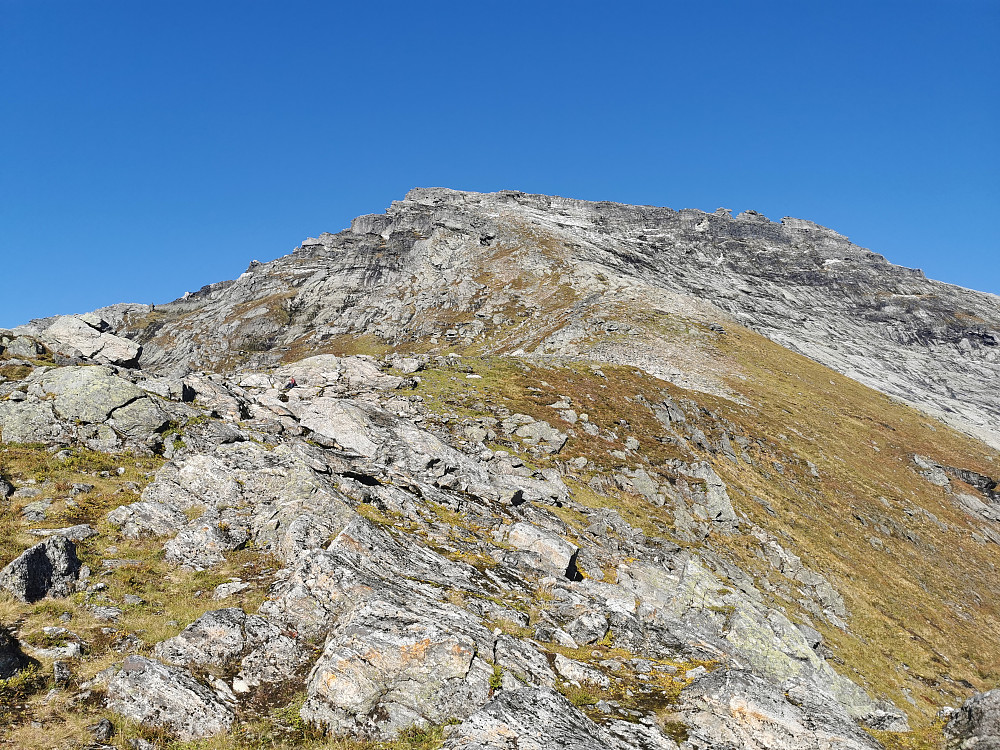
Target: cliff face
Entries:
(504, 272)
(552, 474)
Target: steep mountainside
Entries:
(498, 273)
(553, 474)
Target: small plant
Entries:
(496, 679)
(16, 690)
(676, 730)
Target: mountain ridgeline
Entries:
(504, 470)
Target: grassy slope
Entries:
(925, 623)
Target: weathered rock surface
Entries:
(85, 336)
(29, 422)
(739, 711)
(49, 568)
(386, 668)
(541, 719)
(976, 725)
(146, 691)
(153, 518)
(251, 647)
(87, 394)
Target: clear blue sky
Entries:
(150, 147)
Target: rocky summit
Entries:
(497, 471)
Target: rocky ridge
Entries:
(485, 535)
(507, 272)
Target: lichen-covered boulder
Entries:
(30, 421)
(230, 638)
(140, 419)
(736, 709)
(88, 394)
(147, 518)
(387, 667)
(542, 719)
(159, 695)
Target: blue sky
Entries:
(152, 147)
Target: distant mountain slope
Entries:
(501, 272)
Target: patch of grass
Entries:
(928, 737)
(496, 679)
(926, 599)
(15, 372)
(16, 691)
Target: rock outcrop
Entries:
(976, 724)
(146, 691)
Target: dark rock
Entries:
(49, 568)
(61, 673)
(102, 731)
(11, 658)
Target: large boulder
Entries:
(736, 710)
(24, 347)
(49, 568)
(140, 419)
(74, 335)
(338, 420)
(204, 542)
(552, 553)
(30, 421)
(147, 518)
(976, 725)
(158, 695)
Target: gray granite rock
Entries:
(976, 725)
(87, 394)
(30, 421)
(139, 419)
(733, 710)
(145, 517)
(76, 336)
(229, 638)
(159, 695)
(49, 568)
(542, 719)
(387, 667)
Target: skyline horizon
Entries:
(734, 214)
